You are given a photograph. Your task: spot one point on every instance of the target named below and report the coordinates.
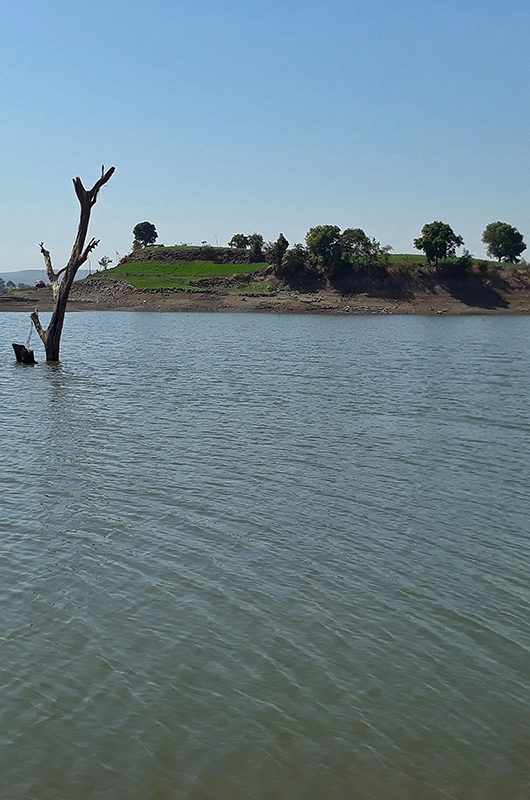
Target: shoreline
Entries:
(118, 296)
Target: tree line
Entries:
(7, 286)
(331, 252)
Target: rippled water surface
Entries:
(250, 557)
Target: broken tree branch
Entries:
(52, 277)
(105, 177)
(87, 198)
(93, 243)
(38, 327)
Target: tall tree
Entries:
(323, 243)
(438, 241)
(51, 336)
(145, 233)
(503, 242)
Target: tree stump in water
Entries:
(23, 355)
(51, 336)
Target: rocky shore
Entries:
(112, 295)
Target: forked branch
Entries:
(93, 243)
(87, 198)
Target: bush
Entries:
(296, 268)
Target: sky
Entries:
(225, 117)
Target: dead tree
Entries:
(51, 336)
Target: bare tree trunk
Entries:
(51, 336)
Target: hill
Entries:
(223, 268)
(217, 255)
(31, 276)
(183, 279)
(188, 268)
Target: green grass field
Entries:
(181, 274)
(406, 259)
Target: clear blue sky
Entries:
(263, 116)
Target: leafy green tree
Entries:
(295, 267)
(503, 242)
(145, 233)
(239, 240)
(358, 248)
(438, 241)
(255, 243)
(354, 243)
(323, 243)
(276, 250)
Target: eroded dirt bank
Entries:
(464, 297)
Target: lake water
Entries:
(263, 557)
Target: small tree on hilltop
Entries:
(438, 241)
(104, 262)
(503, 242)
(239, 240)
(145, 233)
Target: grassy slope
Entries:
(182, 274)
(405, 259)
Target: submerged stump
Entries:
(23, 355)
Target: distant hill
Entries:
(31, 276)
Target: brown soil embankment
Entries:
(509, 292)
